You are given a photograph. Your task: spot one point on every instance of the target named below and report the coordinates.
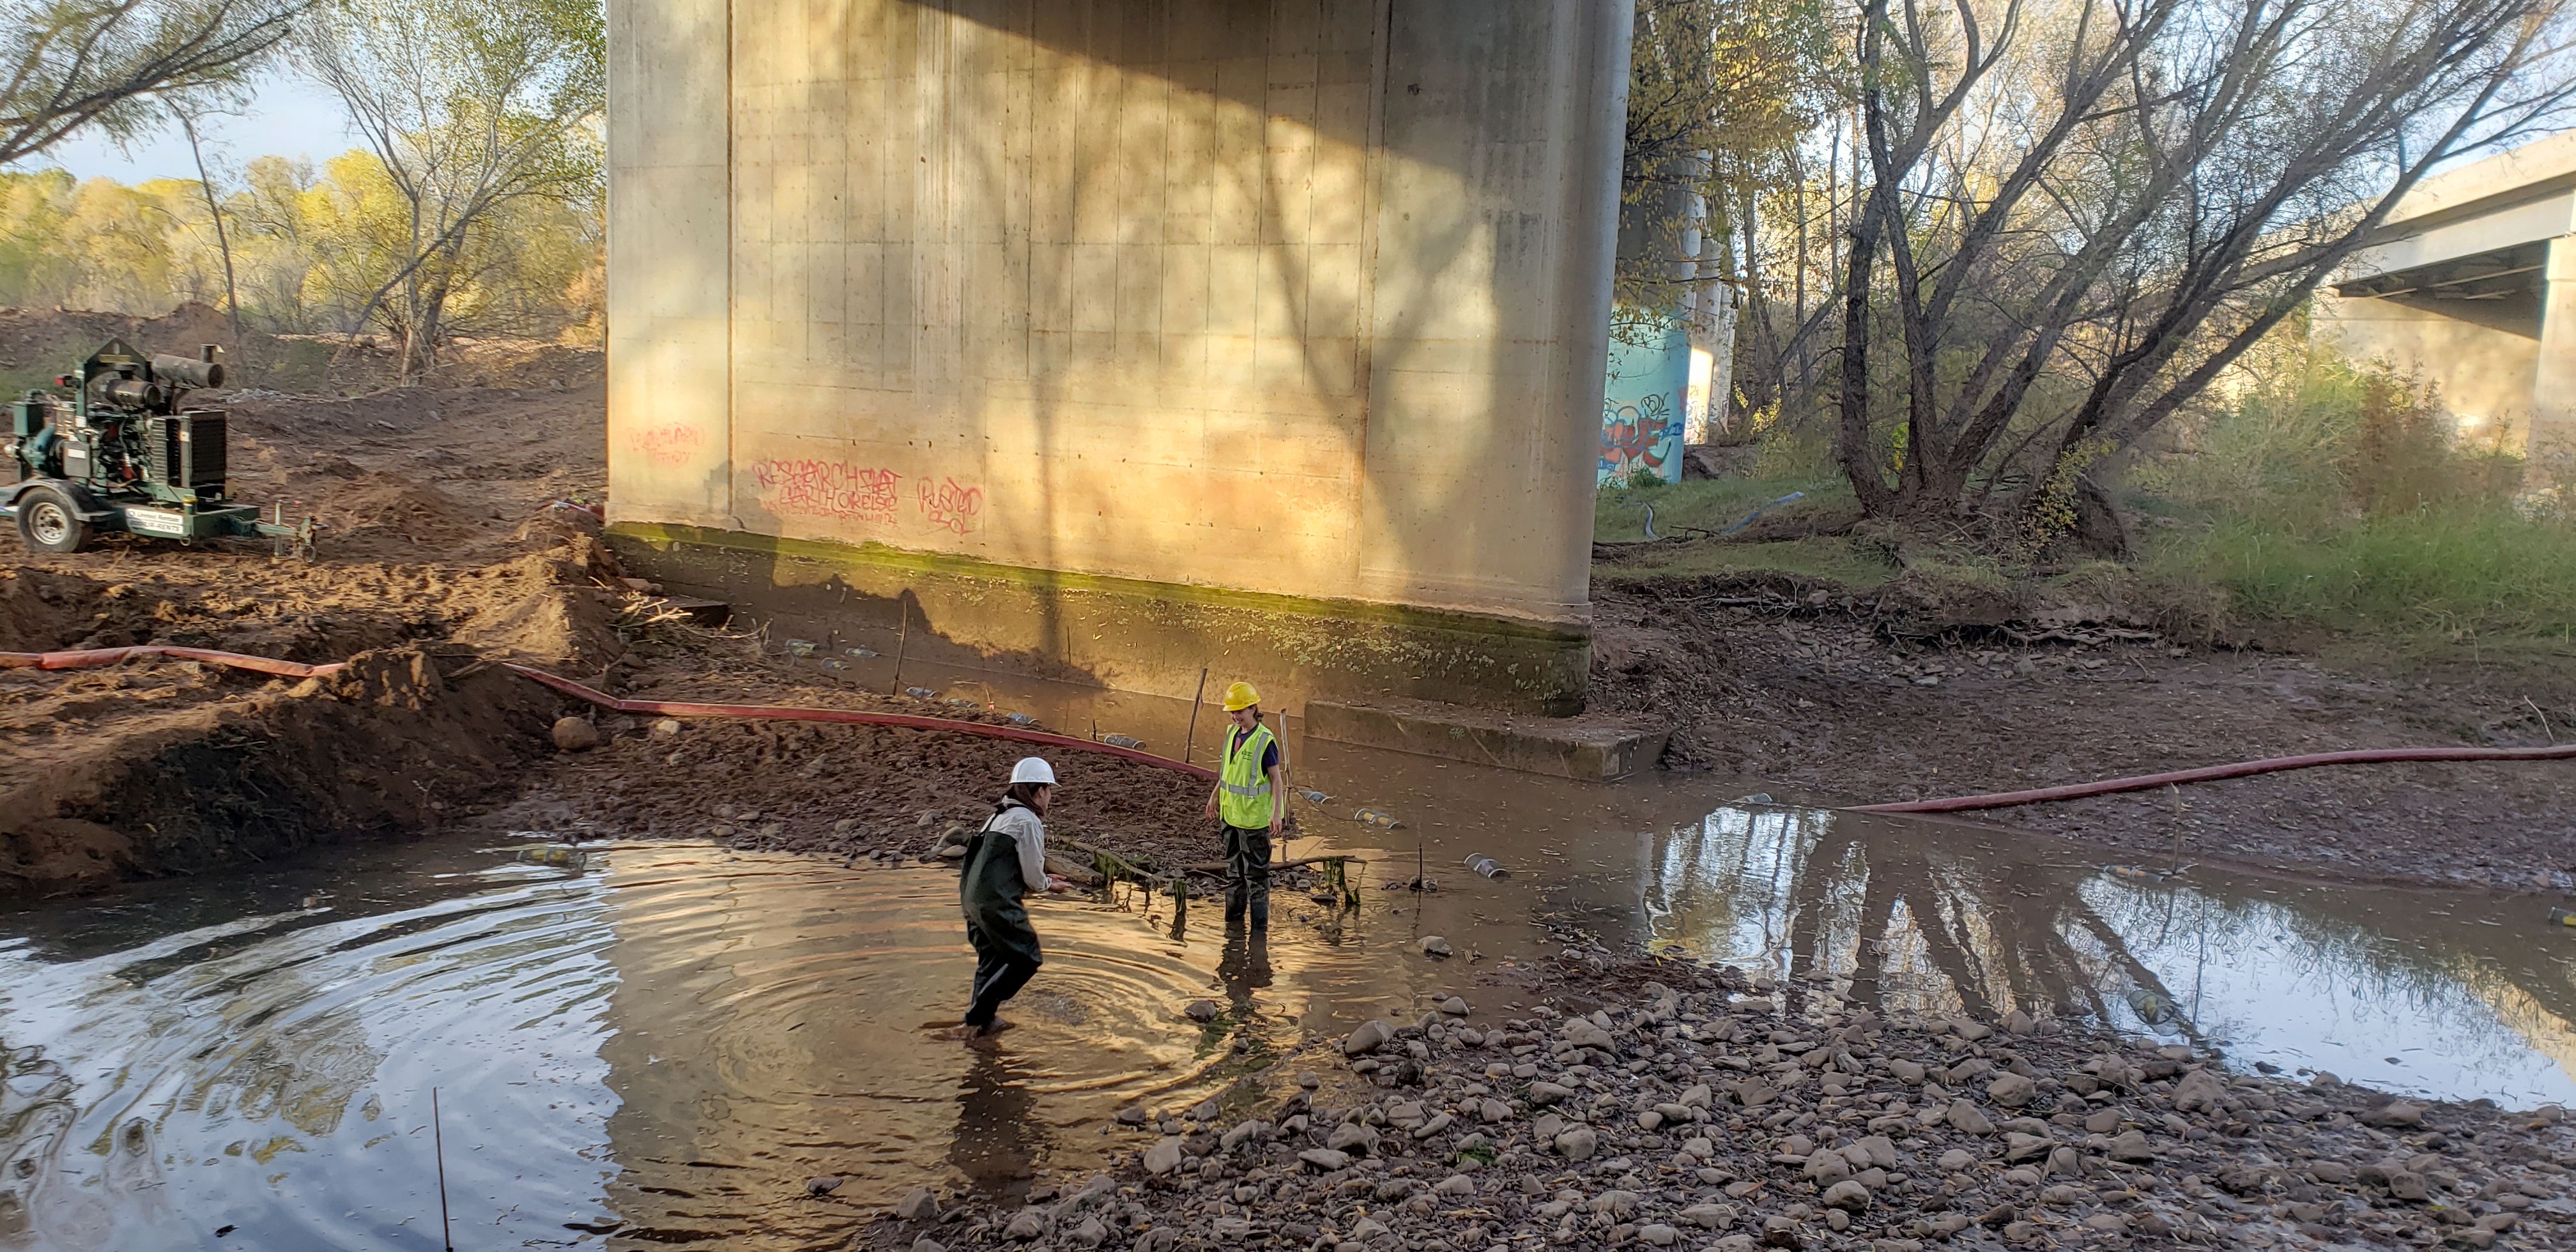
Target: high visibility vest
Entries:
(1243, 789)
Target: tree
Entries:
(80, 63)
(1720, 95)
(470, 107)
(2081, 212)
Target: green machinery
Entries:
(120, 453)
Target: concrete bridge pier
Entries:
(1123, 337)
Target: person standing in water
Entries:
(1249, 802)
(1006, 861)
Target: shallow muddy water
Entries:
(658, 1046)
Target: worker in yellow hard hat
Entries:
(1250, 803)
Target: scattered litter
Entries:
(800, 647)
(2561, 917)
(1488, 867)
(958, 702)
(556, 855)
(1020, 719)
(859, 653)
(1130, 742)
(1790, 498)
(921, 693)
(1372, 817)
(1758, 797)
(1315, 797)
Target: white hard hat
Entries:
(1033, 769)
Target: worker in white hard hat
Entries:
(1249, 803)
(1006, 861)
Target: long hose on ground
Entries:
(87, 657)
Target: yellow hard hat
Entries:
(1240, 696)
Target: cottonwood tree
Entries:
(80, 63)
(2081, 212)
(471, 106)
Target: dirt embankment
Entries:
(1879, 698)
(445, 549)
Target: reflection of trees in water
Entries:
(1942, 922)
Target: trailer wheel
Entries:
(47, 522)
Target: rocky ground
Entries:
(1657, 1105)
(1857, 699)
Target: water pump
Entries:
(115, 447)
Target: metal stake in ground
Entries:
(1191, 740)
(438, 1145)
(902, 635)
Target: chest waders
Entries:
(1244, 802)
(1006, 947)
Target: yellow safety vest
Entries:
(1243, 788)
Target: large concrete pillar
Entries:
(1124, 337)
(2553, 383)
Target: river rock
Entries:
(927, 1244)
(1026, 1224)
(575, 734)
(1754, 1093)
(1583, 1032)
(1164, 1157)
(822, 1184)
(1352, 1135)
(1658, 1234)
(1131, 1115)
(1964, 1118)
(1712, 1216)
(1650, 1121)
(1907, 1071)
(2393, 1113)
(2199, 1089)
(920, 1206)
(2012, 1090)
(1456, 1185)
(1325, 1159)
(1255, 1131)
(1826, 1166)
(1456, 1006)
(1954, 1160)
(1846, 1195)
(1091, 1233)
(1543, 1093)
(1578, 1143)
(2021, 1147)
(1366, 1038)
(1200, 1010)
(1435, 946)
(2019, 1023)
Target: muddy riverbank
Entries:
(1846, 700)
(1649, 1105)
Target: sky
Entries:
(287, 116)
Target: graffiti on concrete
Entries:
(1644, 433)
(672, 443)
(812, 488)
(949, 506)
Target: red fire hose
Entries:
(87, 657)
(2211, 773)
(84, 658)
(783, 713)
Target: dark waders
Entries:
(1247, 875)
(1006, 948)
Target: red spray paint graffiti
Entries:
(951, 506)
(673, 443)
(827, 489)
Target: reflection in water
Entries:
(992, 1144)
(2401, 989)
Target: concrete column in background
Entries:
(2553, 384)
